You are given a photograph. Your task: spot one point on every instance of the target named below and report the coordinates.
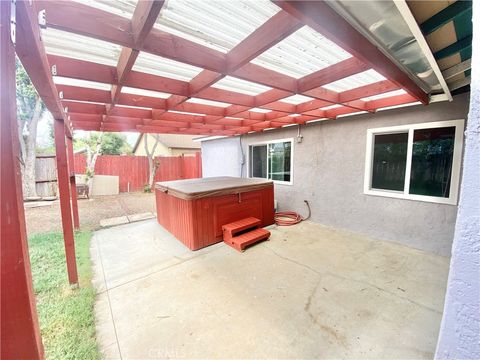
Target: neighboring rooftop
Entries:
(173, 141)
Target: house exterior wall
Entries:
(328, 171)
(161, 149)
(179, 152)
(459, 336)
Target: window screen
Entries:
(389, 161)
(279, 161)
(432, 159)
(258, 161)
(271, 161)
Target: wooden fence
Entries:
(46, 175)
(133, 170)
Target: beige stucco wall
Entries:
(161, 149)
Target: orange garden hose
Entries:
(288, 218)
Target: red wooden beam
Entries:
(368, 90)
(83, 70)
(73, 183)
(226, 96)
(88, 21)
(391, 101)
(64, 191)
(271, 96)
(331, 73)
(321, 17)
(20, 333)
(311, 105)
(274, 30)
(31, 53)
(143, 19)
(267, 77)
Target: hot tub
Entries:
(194, 210)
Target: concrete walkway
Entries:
(309, 292)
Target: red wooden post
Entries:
(20, 334)
(73, 184)
(64, 190)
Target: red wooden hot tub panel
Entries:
(198, 223)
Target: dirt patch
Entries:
(91, 211)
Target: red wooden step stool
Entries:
(243, 233)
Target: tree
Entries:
(99, 143)
(115, 144)
(29, 111)
(152, 164)
(93, 145)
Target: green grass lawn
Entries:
(66, 315)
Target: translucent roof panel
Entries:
(208, 102)
(385, 95)
(302, 53)
(330, 107)
(186, 113)
(263, 111)
(60, 80)
(218, 24)
(296, 99)
(231, 83)
(124, 8)
(354, 81)
(157, 65)
(80, 47)
(141, 92)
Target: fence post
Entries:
(198, 156)
(64, 190)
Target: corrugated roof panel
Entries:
(157, 65)
(302, 53)
(263, 111)
(208, 102)
(124, 8)
(354, 81)
(330, 107)
(133, 107)
(217, 24)
(80, 47)
(142, 92)
(231, 83)
(296, 99)
(186, 113)
(385, 95)
(60, 80)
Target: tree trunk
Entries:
(152, 164)
(28, 140)
(91, 161)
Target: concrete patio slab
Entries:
(309, 292)
(119, 220)
(140, 216)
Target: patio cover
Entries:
(217, 68)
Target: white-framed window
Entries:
(272, 160)
(416, 162)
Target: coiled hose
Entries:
(288, 218)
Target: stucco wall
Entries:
(328, 170)
(460, 331)
(160, 150)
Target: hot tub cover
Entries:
(214, 186)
